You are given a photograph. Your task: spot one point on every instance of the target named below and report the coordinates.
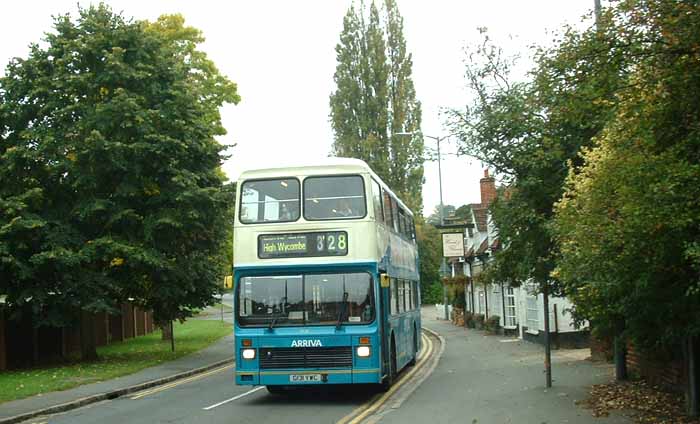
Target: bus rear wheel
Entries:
(391, 376)
(415, 347)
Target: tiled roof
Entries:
(481, 216)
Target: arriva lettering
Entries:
(306, 343)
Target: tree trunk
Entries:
(547, 341)
(692, 351)
(88, 344)
(166, 330)
(466, 302)
(620, 353)
(486, 302)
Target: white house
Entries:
(519, 310)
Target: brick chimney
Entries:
(488, 189)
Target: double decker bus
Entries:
(326, 277)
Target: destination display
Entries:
(329, 243)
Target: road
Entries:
(463, 376)
(212, 397)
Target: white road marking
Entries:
(234, 398)
(509, 340)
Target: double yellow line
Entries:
(147, 392)
(373, 404)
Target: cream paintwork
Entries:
(368, 240)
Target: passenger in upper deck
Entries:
(289, 212)
(344, 208)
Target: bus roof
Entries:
(327, 166)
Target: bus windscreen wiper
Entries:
(343, 310)
(273, 322)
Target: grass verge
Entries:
(116, 359)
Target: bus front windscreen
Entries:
(305, 299)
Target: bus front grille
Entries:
(305, 357)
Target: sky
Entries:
(281, 54)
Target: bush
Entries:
(492, 324)
(479, 321)
(432, 294)
(469, 319)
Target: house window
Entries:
(532, 314)
(511, 319)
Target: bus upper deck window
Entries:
(270, 201)
(331, 197)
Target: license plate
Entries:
(304, 378)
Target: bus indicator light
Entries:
(364, 340)
(247, 342)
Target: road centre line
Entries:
(249, 392)
(179, 382)
(374, 404)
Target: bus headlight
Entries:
(248, 353)
(363, 351)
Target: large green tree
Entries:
(375, 100)
(111, 182)
(531, 131)
(629, 223)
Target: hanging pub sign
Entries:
(452, 245)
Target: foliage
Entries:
(455, 290)
(111, 181)
(116, 359)
(430, 254)
(479, 321)
(375, 99)
(492, 325)
(469, 319)
(530, 132)
(629, 222)
(431, 294)
(434, 217)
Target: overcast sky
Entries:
(282, 56)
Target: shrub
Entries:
(469, 319)
(479, 321)
(492, 324)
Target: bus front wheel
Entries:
(275, 390)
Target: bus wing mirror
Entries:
(384, 280)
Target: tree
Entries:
(629, 222)
(111, 183)
(434, 217)
(430, 253)
(530, 132)
(375, 99)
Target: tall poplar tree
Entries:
(375, 99)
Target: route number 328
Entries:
(335, 243)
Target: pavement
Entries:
(217, 354)
(484, 379)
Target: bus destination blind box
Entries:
(329, 243)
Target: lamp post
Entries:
(443, 263)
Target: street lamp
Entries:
(443, 263)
